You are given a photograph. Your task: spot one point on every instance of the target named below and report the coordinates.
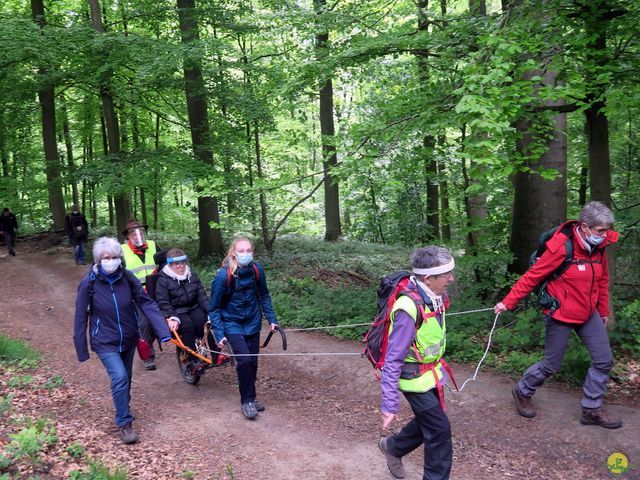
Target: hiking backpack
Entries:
(391, 287)
(544, 298)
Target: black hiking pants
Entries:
(430, 427)
(247, 367)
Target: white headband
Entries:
(447, 267)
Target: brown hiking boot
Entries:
(393, 463)
(599, 417)
(523, 404)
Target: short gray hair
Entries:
(429, 257)
(106, 245)
(596, 213)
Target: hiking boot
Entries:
(249, 410)
(150, 364)
(523, 404)
(128, 434)
(599, 417)
(393, 463)
(259, 406)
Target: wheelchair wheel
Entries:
(189, 376)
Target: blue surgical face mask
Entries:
(595, 240)
(244, 259)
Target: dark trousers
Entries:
(594, 337)
(247, 367)
(430, 427)
(8, 237)
(192, 327)
(79, 250)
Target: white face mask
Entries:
(244, 259)
(110, 266)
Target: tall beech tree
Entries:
(46, 96)
(112, 130)
(333, 224)
(195, 90)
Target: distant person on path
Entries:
(77, 228)
(582, 291)
(239, 299)
(8, 227)
(138, 258)
(183, 301)
(414, 366)
(107, 299)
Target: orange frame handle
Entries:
(177, 341)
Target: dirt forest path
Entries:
(321, 420)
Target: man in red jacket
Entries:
(583, 297)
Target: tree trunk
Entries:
(52, 162)
(210, 238)
(333, 227)
(539, 204)
(429, 141)
(69, 147)
(121, 201)
(264, 221)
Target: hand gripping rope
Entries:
(352, 325)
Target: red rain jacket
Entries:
(581, 289)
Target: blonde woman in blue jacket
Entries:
(239, 299)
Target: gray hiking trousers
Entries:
(593, 335)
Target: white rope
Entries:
(351, 325)
(473, 379)
(287, 354)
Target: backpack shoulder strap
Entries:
(90, 288)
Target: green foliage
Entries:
(75, 450)
(16, 351)
(54, 382)
(21, 381)
(30, 442)
(306, 303)
(5, 403)
(99, 471)
(187, 474)
(627, 328)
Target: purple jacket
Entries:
(113, 323)
(401, 337)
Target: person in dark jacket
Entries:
(8, 227)
(76, 226)
(183, 300)
(106, 302)
(239, 299)
(582, 291)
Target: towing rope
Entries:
(352, 325)
(344, 354)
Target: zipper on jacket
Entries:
(115, 302)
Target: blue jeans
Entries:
(594, 337)
(78, 251)
(119, 367)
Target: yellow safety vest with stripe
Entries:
(430, 344)
(135, 265)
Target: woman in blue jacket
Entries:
(239, 299)
(106, 300)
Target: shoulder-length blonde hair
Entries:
(230, 261)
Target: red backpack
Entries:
(377, 338)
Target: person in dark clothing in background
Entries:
(8, 227)
(239, 298)
(183, 301)
(106, 302)
(76, 226)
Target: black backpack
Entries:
(545, 300)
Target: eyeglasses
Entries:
(179, 264)
(601, 232)
(109, 257)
